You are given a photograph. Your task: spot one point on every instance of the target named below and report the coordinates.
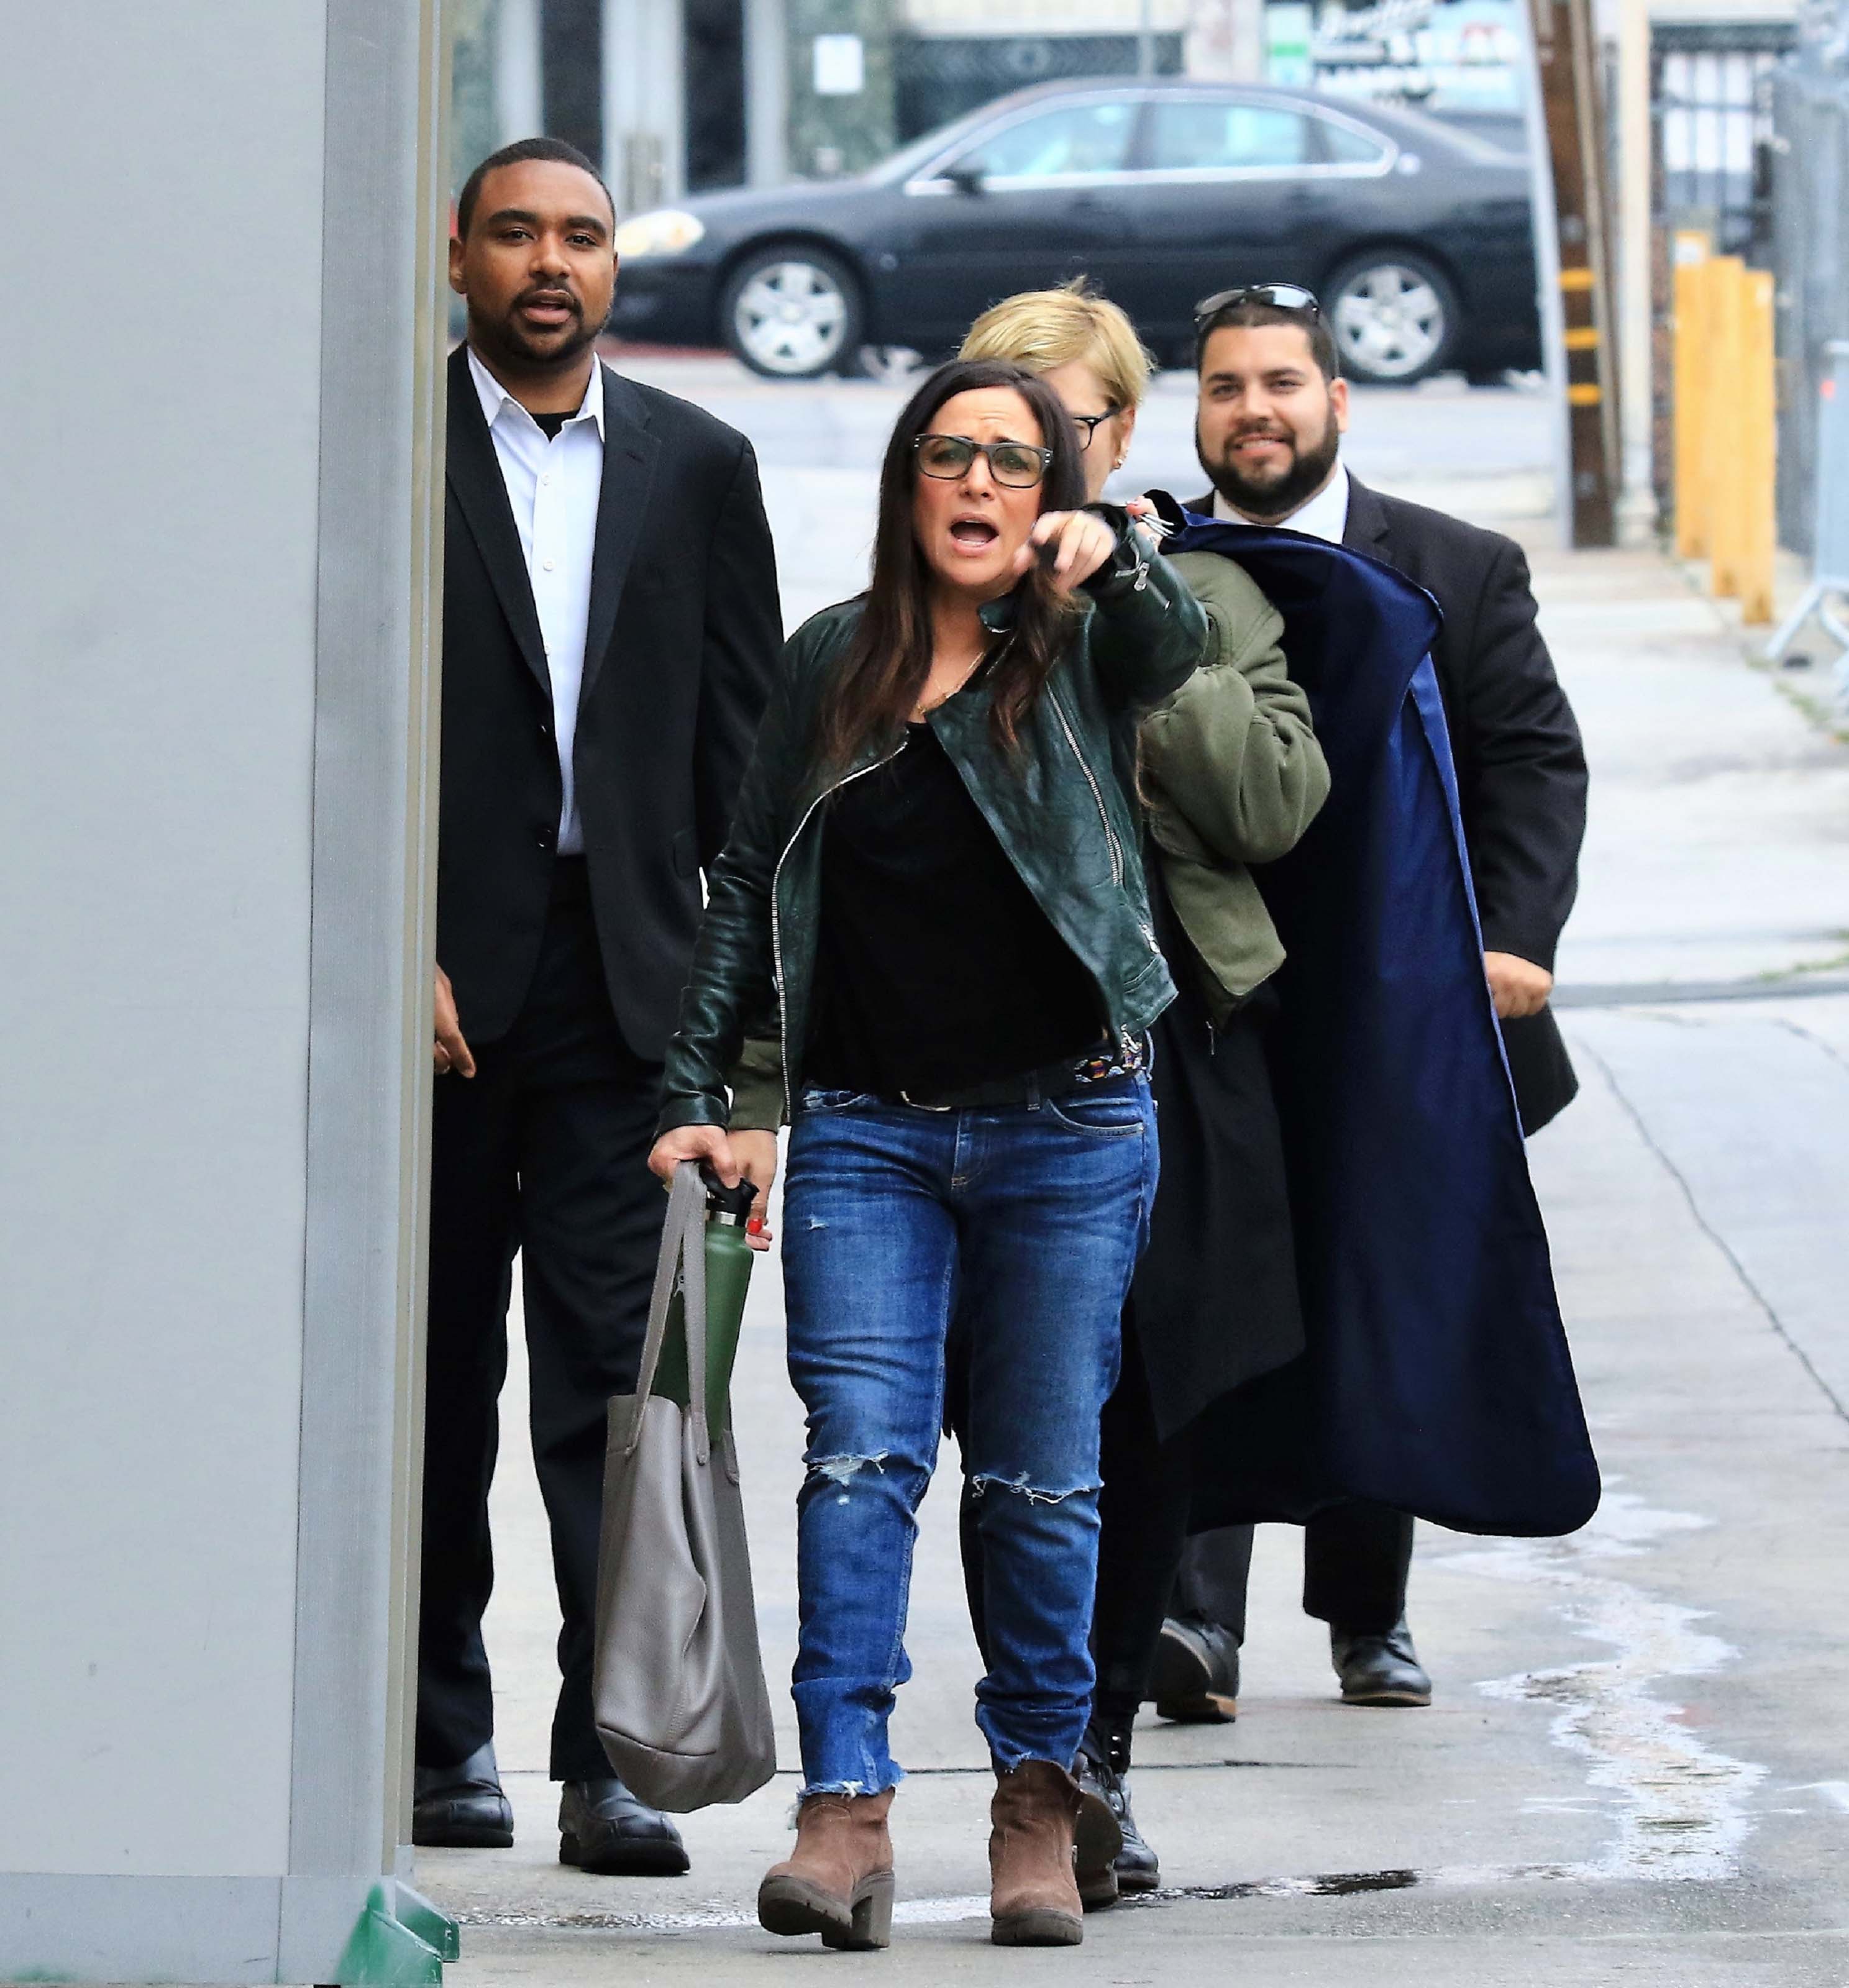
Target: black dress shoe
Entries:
(1196, 1678)
(603, 1828)
(1379, 1670)
(461, 1807)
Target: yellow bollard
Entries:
(1758, 458)
(1688, 387)
(1725, 331)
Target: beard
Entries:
(1276, 493)
(502, 338)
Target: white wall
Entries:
(163, 553)
(157, 703)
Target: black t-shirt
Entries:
(936, 968)
(551, 424)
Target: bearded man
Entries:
(1272, 414)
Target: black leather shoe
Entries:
(1196, 1678)
(1101, 1771)
(603, 1828)
(461, 1807)
(1098, 1837)
(1379, 1670)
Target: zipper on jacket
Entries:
(776, 934)
(1111, 834)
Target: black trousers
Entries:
(1142, 1530)
(543, 1152)
(1357, 1558)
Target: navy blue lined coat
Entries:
(1437, 1380)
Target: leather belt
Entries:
(1052, 1079)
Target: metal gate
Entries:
(1711, 95)
(1712, 90)
(1810, 243)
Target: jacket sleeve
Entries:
(1526, 810)
(757, 1083)
(732, 986)
(1233, 751)
(743, 633)
(1146, 632)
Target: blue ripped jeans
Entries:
(1025, 1221)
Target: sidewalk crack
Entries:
(1708, 1229)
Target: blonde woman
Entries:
(1231, 775)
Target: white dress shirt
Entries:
(1325, 515)
(553, 485)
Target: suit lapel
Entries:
(474, 473)
(630, 453)
(1366, 529)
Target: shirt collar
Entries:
(495, 399)
(1325, 515)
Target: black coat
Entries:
(1521, 768)
(683, 635)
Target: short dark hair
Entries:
(516, 154)
(1249, 311)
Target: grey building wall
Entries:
(219, 388)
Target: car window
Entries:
(1347, 146)
(1196, 137)
(1078, 138)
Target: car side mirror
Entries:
(965, 177)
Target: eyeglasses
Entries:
(1018, 465)
(1279, 297)
(1089, 424)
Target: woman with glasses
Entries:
(933, 890)
(1231, 775)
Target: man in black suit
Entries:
(609, 627)
(1272, 414)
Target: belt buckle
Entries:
(919, 1104)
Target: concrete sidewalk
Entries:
(1637, 1767)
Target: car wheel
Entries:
(792, 313)
(1395, 317)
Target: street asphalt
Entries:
(1636, 1769)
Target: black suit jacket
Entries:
(1521, 768)
(684, 631)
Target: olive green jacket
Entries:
(1231, 775)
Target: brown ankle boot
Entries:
(1033, 1896)
(838, 1881)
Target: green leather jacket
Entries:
(1060, 807)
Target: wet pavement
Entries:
(1636, 1769)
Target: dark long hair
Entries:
(889, 659)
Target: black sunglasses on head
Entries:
(1279, 297)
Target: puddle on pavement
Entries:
(1682, 1809)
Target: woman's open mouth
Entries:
(972, 535)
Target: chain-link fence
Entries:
(1809, 151)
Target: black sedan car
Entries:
(1415, 236)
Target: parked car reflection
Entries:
(1416, 236)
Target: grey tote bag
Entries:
(678, 1687)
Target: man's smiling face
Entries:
(1269, 426)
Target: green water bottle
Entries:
(728, 1257)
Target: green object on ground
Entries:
(401, 1940)
(728, 1257)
